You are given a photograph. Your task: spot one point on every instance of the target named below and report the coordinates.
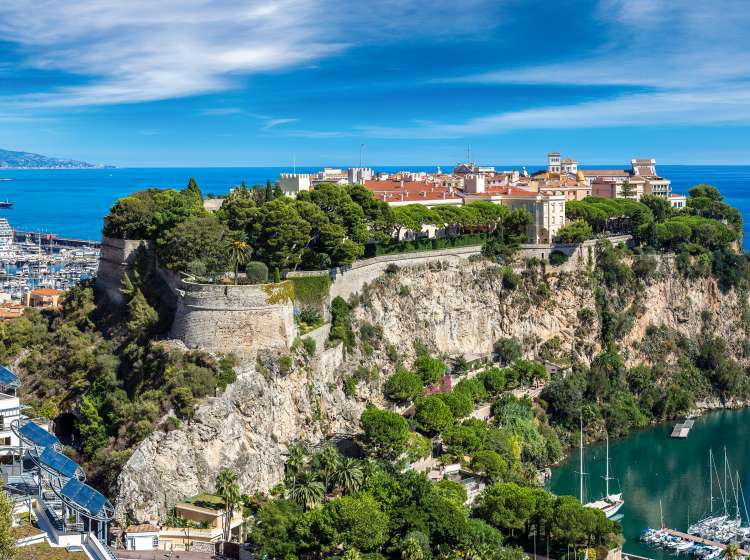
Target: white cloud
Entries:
(270, 123)
(146, 50)
(669, 62)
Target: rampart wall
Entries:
(247, 318)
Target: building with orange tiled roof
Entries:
(42, 298)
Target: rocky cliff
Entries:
(460, 307)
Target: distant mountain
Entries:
(26, 160)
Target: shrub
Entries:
(392, 269)
(285, 364)
(403, 386)
(557, 258)
(310, 316)
(432, 414)
(256, 272)
(350, 386)
(309, 345)
(510, 278)
(644, 267)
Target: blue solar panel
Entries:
(84, 495)
(58, 462)
(37, 435)
(7, 377)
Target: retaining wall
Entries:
(240, 319)
(116, 257)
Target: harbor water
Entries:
(650, 467)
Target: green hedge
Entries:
(423, 244)
(311, 291)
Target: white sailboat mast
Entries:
(711, 480)
(606, 478)
(581, 465)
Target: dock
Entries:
(682, 429)
(700, 540)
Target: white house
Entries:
(142, 537)
(293, 183)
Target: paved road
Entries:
(162, 555)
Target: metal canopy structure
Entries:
(34, 435)
(84, 499)
(7, 377)
(57, 463)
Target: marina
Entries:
(31, 260)
(654, 468)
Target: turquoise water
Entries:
(72, 202)
(651, 467)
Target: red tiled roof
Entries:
(606, 172)
(144, 528)
(45, 292)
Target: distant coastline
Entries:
(27, 160)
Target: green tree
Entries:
(508, 349)
(7, 539)
(280, 234)
(660, 206)
(432, 414)
(352, 522)
(575, 232)
(460, 403)
(489, 464)
(239, 255)
(194, 191)
(228, 490)
(506, 506)
(275, 528)
(327, 462)
(403, 386)
(306, 491)
(91, 426)
(199, 245)
(348, 475)
(430, 369)
(385, 432)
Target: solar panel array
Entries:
(58, 462)
(84, 496)
(37, 435)
(7, 377)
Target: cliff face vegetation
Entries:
(636, 337)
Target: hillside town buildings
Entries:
(543, 193)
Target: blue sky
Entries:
(246, 83)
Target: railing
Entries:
(103, 551)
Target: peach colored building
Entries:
(42, 298)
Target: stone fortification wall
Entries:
(350, 280)
(240, 319)
(116, 257)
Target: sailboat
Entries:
(609, 504)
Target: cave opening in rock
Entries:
(66, 429)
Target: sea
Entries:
(667, 478)
(73, 202)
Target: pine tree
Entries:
(269, 190)
(194, 190)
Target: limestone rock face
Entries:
(247, 429)
(459, 307)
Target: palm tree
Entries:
(328, 461)
(732, 552)
(296, 460)
(229, 491)
(349, 476)
(239, 254)
(306, 492)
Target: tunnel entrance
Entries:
(66, 429)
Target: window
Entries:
(155, 541)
